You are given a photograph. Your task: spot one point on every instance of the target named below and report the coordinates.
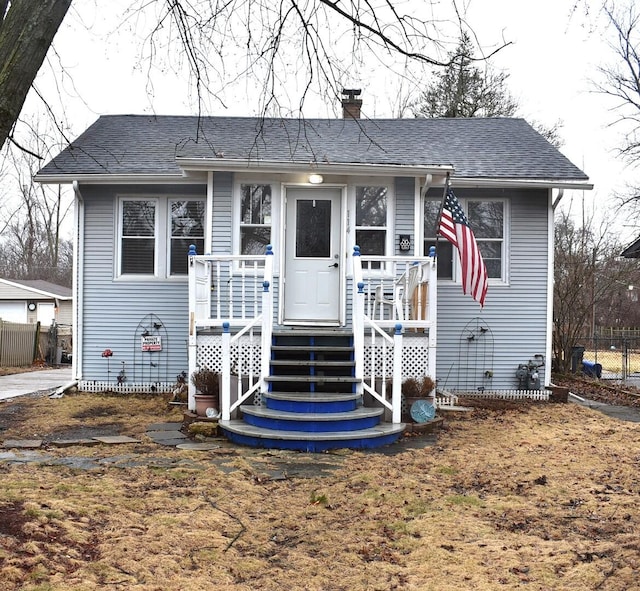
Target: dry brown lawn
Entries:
(536, 497)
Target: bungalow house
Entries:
(299, 258)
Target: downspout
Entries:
(77, 305)
(558, 198)
(550, 266)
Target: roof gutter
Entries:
(577, 184)
(279, 166)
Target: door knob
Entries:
(335, 265)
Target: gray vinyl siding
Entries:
(10, 292)
(65, 313)
(515, 312)
(222, 212)
(404, 213)
(113, 308)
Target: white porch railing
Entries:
(393, 311)
(242, 307)
(391, 295)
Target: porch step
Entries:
(312, 404)
(308, 379)
(353, 420)
(317, 363)
(250, 435)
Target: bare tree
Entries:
(589, 277)
(622, 79)
(27, 29)
(32, 245)
(281, 50)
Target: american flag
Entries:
(454, 226)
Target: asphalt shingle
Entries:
(476, 147)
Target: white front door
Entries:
(313, 255)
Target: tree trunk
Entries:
(26, 33)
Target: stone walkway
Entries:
(267, 463)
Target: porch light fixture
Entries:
(315, 179)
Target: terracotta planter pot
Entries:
(203, 402)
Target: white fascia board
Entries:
(351, 169)
(119, 179)
(477, 183)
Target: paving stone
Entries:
(72, 442)
(164, 427)
(203, 446)
(23, 457)
(158, 435)
(22, 444)
(115, 439)
(169, 442)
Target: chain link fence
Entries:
(615, 359)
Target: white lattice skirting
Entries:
(506, 394)
(126, 388)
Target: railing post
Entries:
(193, 333)
(396, 389)
(432, 313)
(357, 311)
(225, 394)
(267, 320)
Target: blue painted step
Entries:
(312, 404)
(311, 401)
(239, 432)
(361, 418)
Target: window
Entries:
(187, 227)
(444, 248)
(487, 220)
(255, 218)
(146, 250)
(371, 220)
(138, 246)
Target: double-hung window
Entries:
(138, 241)
(186, 228)
(486, 218)
(371, 219)
(154, 235)
(444, 248)
(255, 218)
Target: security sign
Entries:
(152, 343)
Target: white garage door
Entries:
(13, 311)
(46, 314)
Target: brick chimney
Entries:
(350, 104)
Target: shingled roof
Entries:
(500, 148)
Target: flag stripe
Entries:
(454, 226)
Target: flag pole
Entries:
(444, 194)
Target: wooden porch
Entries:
(310, 387)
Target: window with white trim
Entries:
(487, 220)
(186, 228)
(138, 238)
(444, 248)
(371, 219)
(255, 218)
(154, 235)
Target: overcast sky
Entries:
(551, 63)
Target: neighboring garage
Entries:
(13, 311)
(31, 301)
